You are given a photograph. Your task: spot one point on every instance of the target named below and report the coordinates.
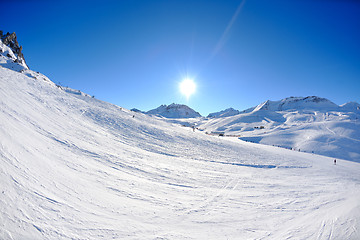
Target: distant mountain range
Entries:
(311, 124)
(290, 103)
(302, 103)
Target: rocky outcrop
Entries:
(10, 40)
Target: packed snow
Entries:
(74, 167)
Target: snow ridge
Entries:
(224, 113)
(351, 106)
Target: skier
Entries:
(334, 161)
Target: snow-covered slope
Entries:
(308, 124)
(351, 107)
(174, 111)
(224, 113)
(74, 167)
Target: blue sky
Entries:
(240, 53)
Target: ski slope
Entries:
(74, 167)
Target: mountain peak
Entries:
(224, 113)
(174, 110)
(351, 106)
(310, 102)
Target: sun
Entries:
(187, 87)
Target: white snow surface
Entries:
(74, 167)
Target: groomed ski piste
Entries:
(74, 167)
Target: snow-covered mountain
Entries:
(74, 167)
(298, 103)
(310, 124)
(174, 111)
(224, 113)
(351, 107)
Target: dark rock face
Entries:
(10, 40)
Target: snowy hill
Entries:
(224, 113)
(74, 167)
(351, 107)
(174, 111)
(310, 124)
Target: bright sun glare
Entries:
(187, 87)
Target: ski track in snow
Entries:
(73, 167)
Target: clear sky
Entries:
(239, 53)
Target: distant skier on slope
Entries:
(334, 161)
